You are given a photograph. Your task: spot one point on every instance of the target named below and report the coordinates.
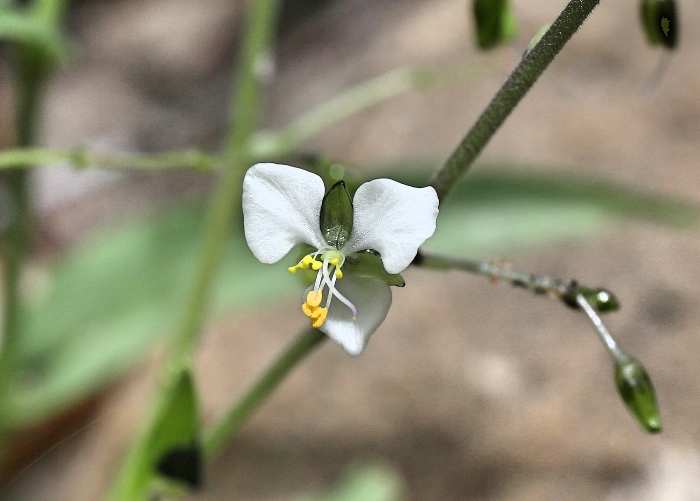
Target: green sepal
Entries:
(369, 264)
(495, 23)
(336, 215)
(637, 392)
(660, 22)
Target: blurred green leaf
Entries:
(174, 424)
(117, 293)
(113, 296)
(371, 482)
(496, 210)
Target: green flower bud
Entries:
(637, 393)
(602, 300)
(660, 22)
(495, 23)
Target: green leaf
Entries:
(371, 482)
(637, 392)
(174, 426)
(336, 215)
(660, 22)
(368, 264)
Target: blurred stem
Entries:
(225, 209)
(82, 158)
(50, 12)
(608, 340)
(260, 24)
(513, 90)
(268, 143)
(30, 70)
(19, 26)
(232, 421)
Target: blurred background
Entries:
(469, 390)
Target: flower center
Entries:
(327, 263)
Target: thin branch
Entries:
(82, 158)
(566, 291)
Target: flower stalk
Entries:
(631, 378)
(566, 291)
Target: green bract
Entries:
(336, 215)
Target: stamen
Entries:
(322, 314)
(313, 298)
(333, 291)
(312, 305)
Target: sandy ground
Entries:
(470, 391)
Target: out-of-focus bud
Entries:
(637, 392)
(602, 300)
(495, 23)
(660, 22)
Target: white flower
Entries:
(282, 208)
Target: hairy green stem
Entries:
(231, 422)
(513, 90)
(83, 158)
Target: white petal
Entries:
(371, 297)
(281, 208)
(393, 219)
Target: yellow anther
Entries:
(313, 298)
(318, 322)
(308, 311)
(316, 265)
(292, 269)
(334, 261)
(338, 273)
